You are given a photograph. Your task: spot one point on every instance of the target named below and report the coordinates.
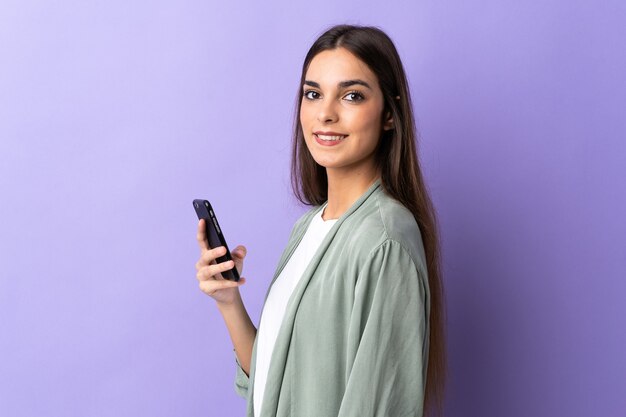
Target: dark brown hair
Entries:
(401, 176)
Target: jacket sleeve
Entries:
(388, 337)
(242, 380)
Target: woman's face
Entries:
(341, 112)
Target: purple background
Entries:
(115, 115)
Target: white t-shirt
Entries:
(276, 303)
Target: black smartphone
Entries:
(214, 235)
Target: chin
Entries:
(326, 162)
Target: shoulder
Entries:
(383, 223)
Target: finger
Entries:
(202, 263)
(213, 254)
(201, 236)
(240, 251)
(238, 255)
(211, 287)
(209, 271)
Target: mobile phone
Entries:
(214, 235)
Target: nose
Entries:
(327, 111)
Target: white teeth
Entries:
(325, 137)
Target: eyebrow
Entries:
(342, 84)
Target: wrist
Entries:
(227, 307)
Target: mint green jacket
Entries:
(354, 339)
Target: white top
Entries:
(278, 297)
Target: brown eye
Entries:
(354, 96)
(311, 95)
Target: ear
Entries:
(388, 125)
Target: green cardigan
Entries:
(354, 339)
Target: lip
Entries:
(328, 142)
(319, 132)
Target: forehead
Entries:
(335, 65)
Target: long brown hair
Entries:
(401, 176)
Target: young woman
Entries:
(352, 324)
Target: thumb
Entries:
(238, 254)
(240, 251)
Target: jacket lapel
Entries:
(281, 348)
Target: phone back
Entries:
(214, 234)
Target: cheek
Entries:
(368, 122)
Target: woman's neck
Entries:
(344, 189)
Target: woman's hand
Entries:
(209, 275)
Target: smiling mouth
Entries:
(330, 138)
